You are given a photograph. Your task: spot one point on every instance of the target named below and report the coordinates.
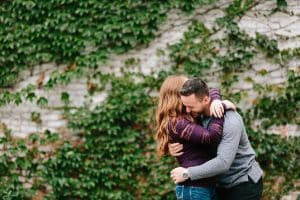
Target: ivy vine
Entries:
(112, 155)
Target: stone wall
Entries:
(283, 26)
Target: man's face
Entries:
(193, 105)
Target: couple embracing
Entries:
(208, 138)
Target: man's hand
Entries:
(175, 149)
(216, 108)
(177, 174)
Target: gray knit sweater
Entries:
(235, 161)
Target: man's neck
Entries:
(207, 109)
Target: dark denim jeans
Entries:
(243, 191)
(195, 193)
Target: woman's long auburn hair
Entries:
(168, 110)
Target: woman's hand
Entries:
(229, 105)
(175, 149)
(216, 108)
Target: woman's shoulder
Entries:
(182, 121)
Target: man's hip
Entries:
(244, 191)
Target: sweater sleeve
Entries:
(215, 94)
(195, 133)
(227, 150)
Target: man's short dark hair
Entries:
(195, 86)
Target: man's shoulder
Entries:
(232, 119)
(230, 114)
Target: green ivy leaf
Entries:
(42, 101)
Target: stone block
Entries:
(282, 19)
(251, 24)
(277, 74)
(290, 43)
(293, 7)
(278, 81)
(265, 7)
(56, 124)
(99, 98)
(291, 30)
(51, 116)
(261, 64)
(289, 130)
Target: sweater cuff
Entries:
(224, 106)
(194, 173)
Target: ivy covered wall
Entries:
(79, 83)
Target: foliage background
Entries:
(112, 154)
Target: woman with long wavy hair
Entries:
(199, 144)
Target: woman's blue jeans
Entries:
(195, 193)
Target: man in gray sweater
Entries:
(239, 175)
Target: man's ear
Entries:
(206, 99)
